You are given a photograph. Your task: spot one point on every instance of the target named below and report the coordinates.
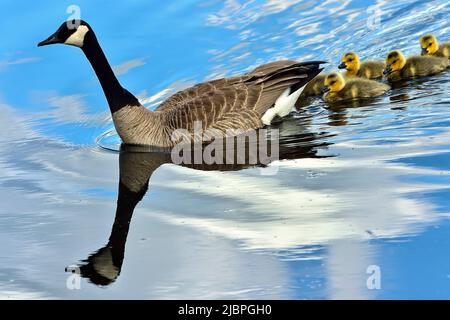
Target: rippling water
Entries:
(369, 187)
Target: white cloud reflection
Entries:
(73, 109)
(237, 14)
(125, 67)
(4, 64)
(309, 211)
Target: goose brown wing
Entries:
(262, 72)
(215, 108)
(271, 67)
(184, 97)
(238, 102)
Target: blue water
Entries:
(372, 189)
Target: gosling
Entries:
(399, 68)
(430, 46)
(338, 89)
(314, 87)
(367, 69)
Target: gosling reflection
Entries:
(338, 115)
(136, 168)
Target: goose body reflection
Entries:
(138, 163)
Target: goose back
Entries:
(235, 103)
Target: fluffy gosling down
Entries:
(314, 87)
(398, 67)
(338, 89)
(430, 46)
(355, 68)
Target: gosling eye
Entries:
(332, 83)
(350, 60)
(430, 44)
(395, 61)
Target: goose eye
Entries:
(430, 44)
(332, 83)
(350, 60)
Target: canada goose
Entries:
(398, 67)
(430, 46)
(242, 103)
(339, 89)
(366, 69)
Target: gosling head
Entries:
(429, 44)
(395, 61)
(350, 62)
(334, 82)
(72, 32)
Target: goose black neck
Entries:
(126, 203)
(116, 95)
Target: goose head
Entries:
(334, 82)
(100, 267)
(350, 62)
(395, 61)
(72, 32)
(429, 44)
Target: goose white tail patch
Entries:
(268, 116)
(77, 38)
(283, 106)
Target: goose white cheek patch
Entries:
(77, 38)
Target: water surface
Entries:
(370, 186)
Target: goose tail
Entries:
(288, 80)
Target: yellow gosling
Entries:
(355, 68)
(430, 46)
(337, 88)
(314, 87)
